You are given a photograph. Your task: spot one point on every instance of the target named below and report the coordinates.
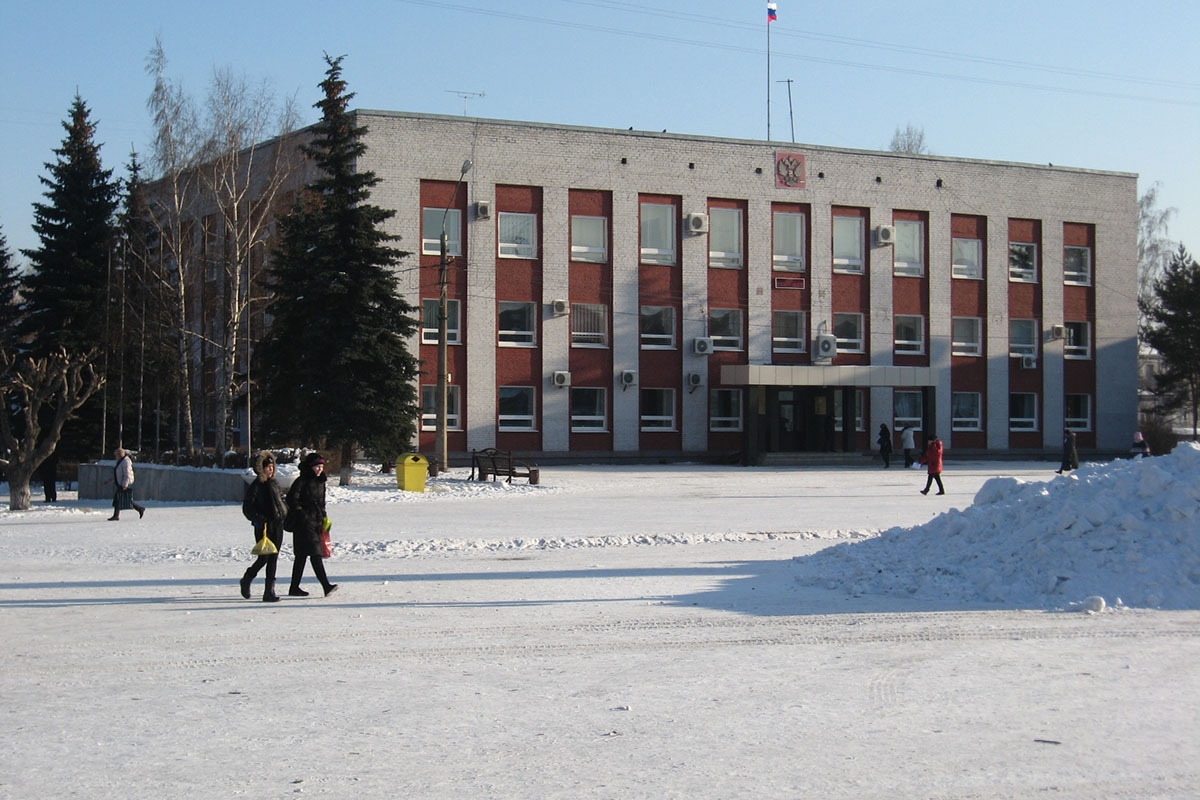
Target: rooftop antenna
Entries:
(791, 118)
(465, 96)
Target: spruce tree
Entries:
(1172, 327)
(338, 370)
(9, 283)
(65, 289)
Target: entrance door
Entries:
(799, 419)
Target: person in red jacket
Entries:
(933, 460)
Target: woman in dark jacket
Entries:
(885, 445)
(1070, 458)
(263, 505)
(308, 495)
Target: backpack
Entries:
(248, 501)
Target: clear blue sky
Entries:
(1092, 84)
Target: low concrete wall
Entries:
(162, 482)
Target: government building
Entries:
(620, 294)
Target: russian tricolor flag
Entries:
(771, 16)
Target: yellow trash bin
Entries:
(411, 471)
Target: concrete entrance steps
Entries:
(822, 460)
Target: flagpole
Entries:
(768, 75)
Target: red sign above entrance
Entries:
(789, 170)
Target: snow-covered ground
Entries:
(657, 632)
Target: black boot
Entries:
(296, 591)
(245, 584)
(269, 595)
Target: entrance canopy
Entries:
(800, 375)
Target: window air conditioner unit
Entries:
(702, 345)
(559, 307)
(483, 209)
(1058, 332)
(885, 234)
(561, 378)
(694, 379)
(826, 347)
(628, 377)
(696, 223)
(1028, 362)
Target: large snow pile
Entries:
(1127, 532)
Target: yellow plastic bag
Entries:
(264, 546)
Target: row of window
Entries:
(517, 238)
(589, 410)
(517, 326)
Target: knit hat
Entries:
(1137, 437)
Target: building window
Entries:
(965, 411)
(429, 408)
(725, 410)
(589, 410)
(787, 237)
(1022, 337)
(725, 328)
(589, 239)
(1078, 342)
(908, 256)
(516, 408)
(788, 332)
(1022, 262)
(966, 336)
(589, 325)
(966, 258)
(429, 321)
(908, 409)
(518, 235)
(658, 409)
(847, 244)
(1022, 411)
(431, 231)
(1077, 265)
(517, 324)
(658, 327)
(848, 328)
(658, 233)
(1078, 412)
(725, 237)
(838, 413)
(909, 334)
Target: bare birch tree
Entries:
(249, 160)
(1155, 248)
(219, 175)
(910, 139)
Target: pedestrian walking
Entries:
(932, 459)
(265, 507)
(48, 472)
(306, 507)
(123, 483)
(1140, 446)
(908, 445)
(885, 445)
(1070, 456)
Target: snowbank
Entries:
(1127, 532)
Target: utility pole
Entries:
(443, 376)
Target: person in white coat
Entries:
(909, 446)
(123, 481)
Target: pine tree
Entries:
(65, 289)
(337, 368)
(1172, 328)
(9, 282)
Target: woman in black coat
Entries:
(1070, 457)
(885, 445)
(264, 506)
(307, 494)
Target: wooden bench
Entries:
(493, 463)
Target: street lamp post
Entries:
(443, 376)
